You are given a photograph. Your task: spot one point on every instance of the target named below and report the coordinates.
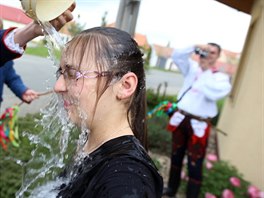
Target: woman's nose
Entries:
(60, 85)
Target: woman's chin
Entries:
(72, 116)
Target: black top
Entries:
(119, 168)
(5, 53)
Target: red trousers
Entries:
(184, 140)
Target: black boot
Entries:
(193, 189)
(174, 182)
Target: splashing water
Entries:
(55, 44)
(52, 148)
(56, 144)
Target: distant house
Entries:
(158, 58)
(13, 17)
(141, 39)
(228, 60)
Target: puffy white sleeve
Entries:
(181, 57)
(216, 86)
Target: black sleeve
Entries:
(127, 178)
(5, 53)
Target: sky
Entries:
(178, 22)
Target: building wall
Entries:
(8, 24)
(242, 117)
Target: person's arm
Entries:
(16, 85)
(6, 53)
(29, 95)
(216, 86)
(181, 57)
(32, 30)
(25, 34)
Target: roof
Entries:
(141, 39)
(160, 50)
(13, 14)
(244, 6)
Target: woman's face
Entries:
(78, 88)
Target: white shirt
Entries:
(10, 43)
(206, 86)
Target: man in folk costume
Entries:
(204, 84)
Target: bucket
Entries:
(45, 10)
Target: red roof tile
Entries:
(139, 38)
(13, 14)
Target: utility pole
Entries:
(127, 15)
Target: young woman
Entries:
(102, 82)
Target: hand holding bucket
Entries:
(45, 10)
(50, 15)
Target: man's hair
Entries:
(216, 45)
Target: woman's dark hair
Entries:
(114, 50)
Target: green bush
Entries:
(159, 138)
(40, 50)
(155, 97)
(11, 172)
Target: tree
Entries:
(104, 22)
(76, 27)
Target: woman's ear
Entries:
(127, 86)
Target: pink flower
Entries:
(235, 181)
(209, 165)
(253, 192)
(261, 194)
(212, 157)
(228, 194)
(209, 195)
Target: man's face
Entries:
(213, 54)
(211, 58)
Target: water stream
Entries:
(56, 144)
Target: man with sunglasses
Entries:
(190, 125)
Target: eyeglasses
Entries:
(71, 73)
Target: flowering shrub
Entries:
(220, 179)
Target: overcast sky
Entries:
(180, 22)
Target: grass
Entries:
(42, 51)
(39, 50)
(11, 173)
